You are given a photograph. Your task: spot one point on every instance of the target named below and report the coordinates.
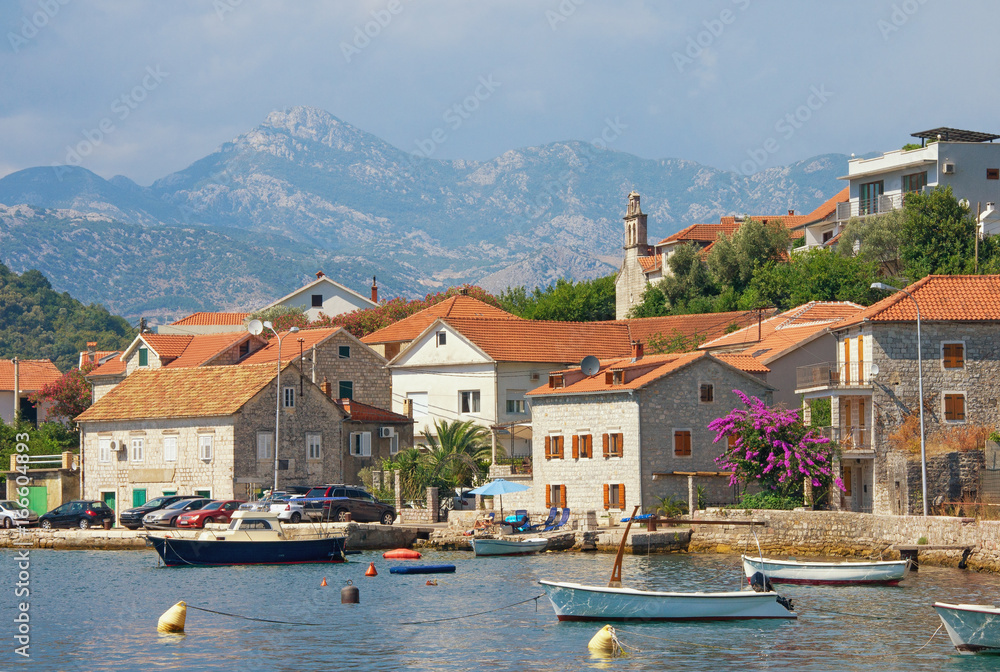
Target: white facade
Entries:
(325, 296)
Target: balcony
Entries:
(863, 207)
(829, 375)
(849, 438)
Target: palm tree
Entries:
(456, 453)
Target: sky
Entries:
(143, 89)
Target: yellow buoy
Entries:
(605, 642)
(172, 619)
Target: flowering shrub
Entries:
(70, 395)
(772, 448)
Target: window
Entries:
(682, 443)
(244, 349)
(914, 182)
(554, 447)
(344, 351)
(954, 407)
(265, 445)
(104, 450)
(345, 389)
(993, 173)
(394, 444)
(515, 402)
(170, 449)
(361, 444)
(317, 300)
(707, 393)
(138, 449)
(614, 496)
(442, 337)
(207, 494)
(469, 401)
(953, 355)
(169, 493)
(314, 446)
(868, 195)
(583, 446)
(555, 495)
(143, 357)
(289, 397)
(846, 473)
(614, 445)
(419, 402)
(205, 447)
(827, 235)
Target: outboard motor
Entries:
(760, 583)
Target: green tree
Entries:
(564, 301)
(735, 259)
(456, 453)
(938, 235)
(69, 396)
(876, 239)
(816, 275)
(282, 318)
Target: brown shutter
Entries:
(588, 441)
(621, 495)
(562, 496)
(557, 449)
(548, 447)
(607, 497)
(959, 407)
(959, 355)
(606, 448)
(621, 445)
(548, 495)
(576, 447)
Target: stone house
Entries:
(19, 378)
(208, 431)
(873, 388)
(635, 431)
(370, 435)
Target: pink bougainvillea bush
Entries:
(773, 448)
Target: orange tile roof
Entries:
(827, 208)
(167, 346)
(457, 306)
(518, 340)
(703, 325)
(651, 263)
(32, 374)
(816, 314)
(743, 362)
(942, 298)
(203, 347)
(364, 413)
(790, 221)
(203, 318)
(704, 233)
(290, 345)
(112, 367)
(209, 391)
(87, 357)
(638, 374)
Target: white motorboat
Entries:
(879, 572)
(973, 628)
(488, 546)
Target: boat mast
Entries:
(616, 571)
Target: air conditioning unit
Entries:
(948, 168)
(386, 432)
(114, 445)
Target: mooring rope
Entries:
(250, 618)
(480, 613)
(932, 637)
(680, 641)
(847, 613)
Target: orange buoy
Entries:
(402, 554)
(323, 583)
(371, 570)
(431, 582)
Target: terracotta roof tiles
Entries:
(410, 327)
(204, 318)
(112, 367)
(32, 374)
(359, 412)
(519, 340)
(204, 347)
(942, 298)
(817, 315)
(87, 357)
(310, 337)
(167, 346)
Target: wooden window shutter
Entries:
(731, 440)
(607, 497)
(562, 496)
(621, 495)
(576, 447)
(960, 406)
(861, 358)
(557, 447)
(548, 447)
(619, 445)
(959, 353)
(548, 495)
(606, 445)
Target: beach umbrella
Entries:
(497, 488)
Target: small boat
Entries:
(423, 569)
(878, 572)
(973, 628)
(578, 602)
(487, 546)
(252, 538)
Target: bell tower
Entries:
(631, 281)
(635, 225)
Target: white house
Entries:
(328, 297)
(18, 379)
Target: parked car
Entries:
(12, 513)
(132, 518)
(283, 504)
(168, 515)
(464, 501)
(217, 511)
(348, 499)
(82, 513)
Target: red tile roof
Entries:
(743, 361)
(32, 374)
(204, 347)
(942, 298)
(95, 357)
(290, 345)
(202, 318)
(167, 346)
(364, 413)
(651, 263)
(703, 233)
(828, 207)
(507, 340)
(703, 326)
(816, 314)
(410, 327)
(112, 367)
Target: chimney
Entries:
(408, 408)
(636, 350)
(91, 352)
(17, 390)
(319, 274)
(791, 213)
(374, 290)
(325, 387)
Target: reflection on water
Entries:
(98, 611)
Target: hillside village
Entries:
(592, 416)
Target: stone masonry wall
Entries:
(365, 368)
(954, 476)
(629, 285)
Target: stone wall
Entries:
(953, 476)
(365, 368)
(629, 284)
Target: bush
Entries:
(767, 500)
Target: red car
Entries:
(219, 511)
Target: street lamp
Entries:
(920, 387)
(277, 403)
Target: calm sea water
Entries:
(98, 611)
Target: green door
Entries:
(38, 499)
(109, 499)
(138, 497)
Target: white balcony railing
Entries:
(829, 374)
(849, 437)
(862, 207)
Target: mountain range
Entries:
(305, 191)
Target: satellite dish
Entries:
(590, 365)
(964, 203)
(875, 370)
(255, 327)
